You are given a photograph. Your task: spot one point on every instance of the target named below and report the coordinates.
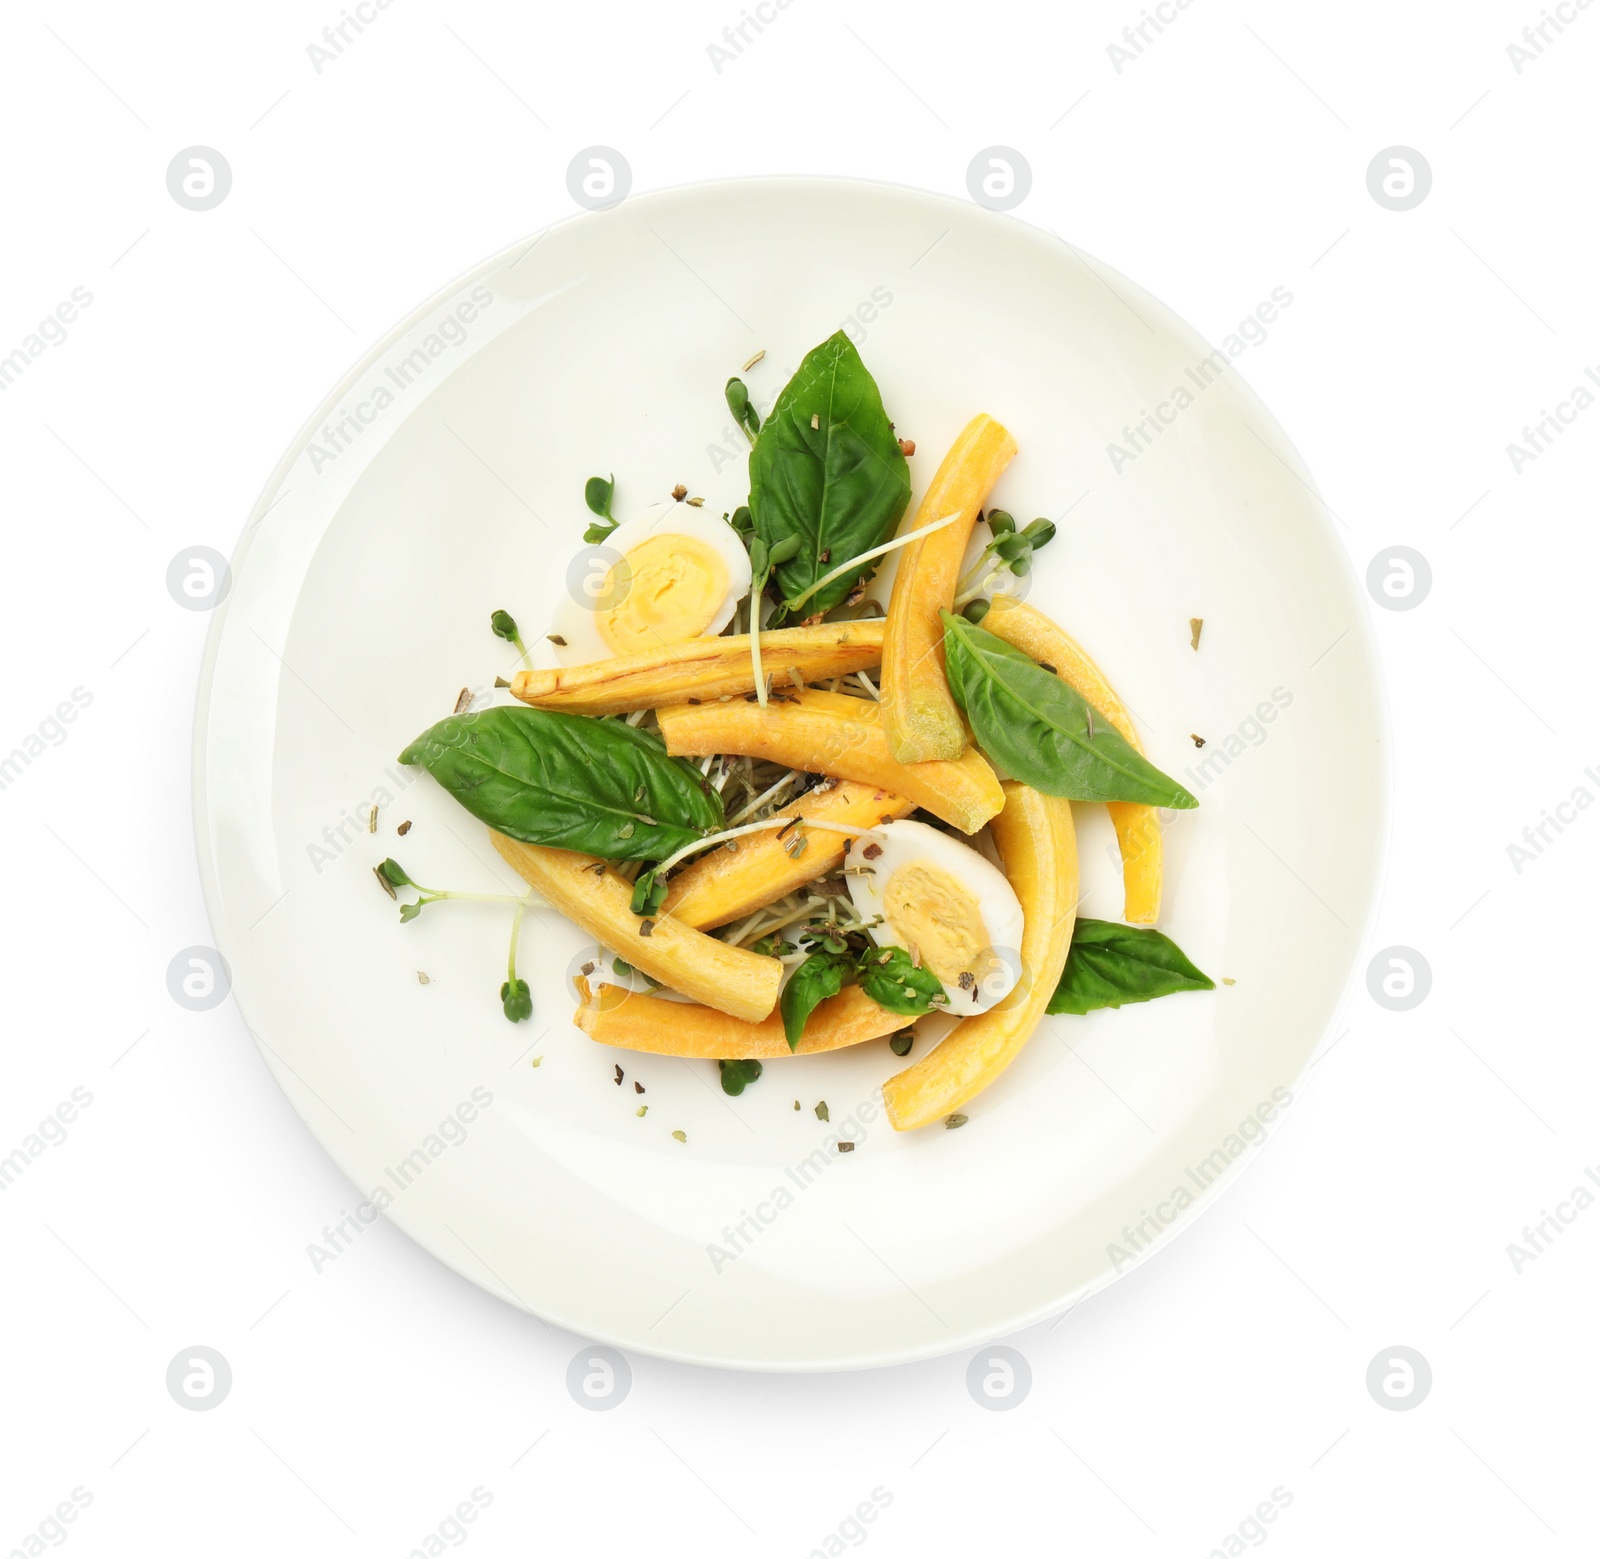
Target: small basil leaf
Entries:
(516, 1000)
(840, 486)
(738, 1075)
(1038, 729)
(897, 984)
(570, 781)
(819, 977)
(1112, 965)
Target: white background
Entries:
(1227, 159)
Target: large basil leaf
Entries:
(1112, 965)
(570, 781)
(1040, 731)
(897, 985)
(819, 977)
(826, 468)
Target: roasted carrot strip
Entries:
(920, 717)
(1039, 849)
(748, 873)
(1138, 827)
(702, 669)
(827, 733)
(634, 1021)
(596, 897)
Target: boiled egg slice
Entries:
(945, 904)
(669, 574)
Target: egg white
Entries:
(906, 842)
(574, 618)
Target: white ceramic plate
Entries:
(444, 479)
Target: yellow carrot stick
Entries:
(702, 668)
(828, 733)
(920, 717)
(631, 1020)
(597, 898)
(727, 884)
(1038, 847)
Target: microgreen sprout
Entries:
(1010, 551)
(762, 563)
(514, 994)
(597, 494)
(515, 998)
(738, 1075)
(649, 889)
(738, 399)
(505, 627)
(394, 874)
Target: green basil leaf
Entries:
(1112, 965)
(1040, 731)
(819, 977)
(839, 487)
(897, 984)
(569, 780)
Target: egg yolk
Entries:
(931, 910)
(666, 590)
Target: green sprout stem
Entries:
(755, 640)
(431, 896)
(866, 557)
(1011, 551)
(516, 933)
(967, 591)
(762, 563)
